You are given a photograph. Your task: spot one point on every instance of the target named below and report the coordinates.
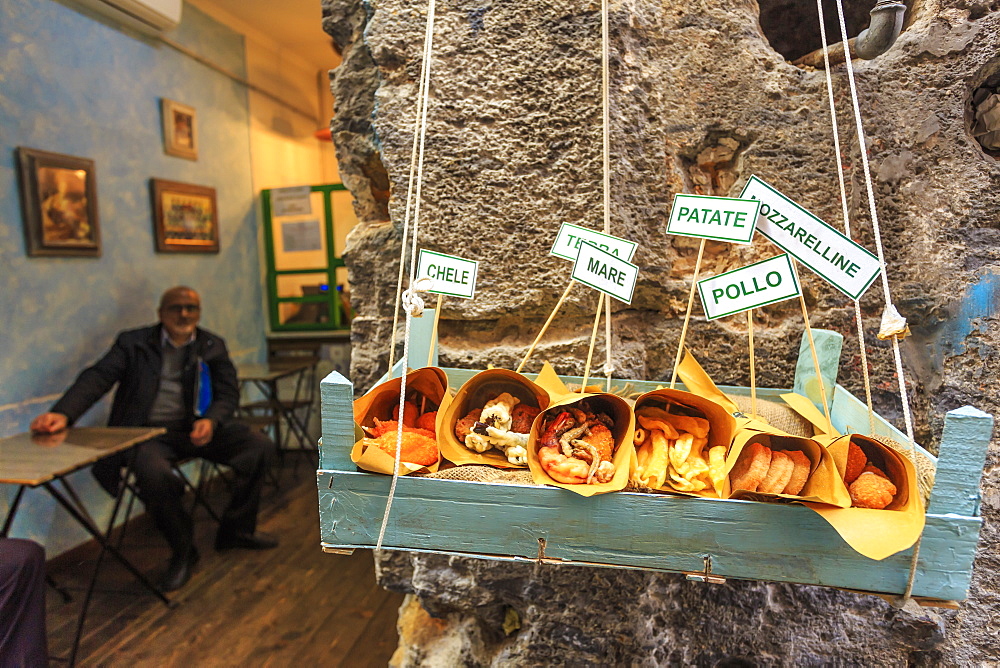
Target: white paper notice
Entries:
(847, 266)
(749, 287)
(301, 235)
(606, 272)
(293, 201)
(451, 275)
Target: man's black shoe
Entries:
(180, 570)
(245, 541)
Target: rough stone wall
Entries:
(699, 102)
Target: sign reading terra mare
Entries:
(749, 287)
(567, 243)
(453, 276)
(605, 272)
(847, 266)
(720, 218)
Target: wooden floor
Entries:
(291, 606)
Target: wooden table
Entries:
(265, 378)
(43, 460)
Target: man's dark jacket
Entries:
(134, 363)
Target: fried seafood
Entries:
(778, 473)
(577, 446)
(751, 467)
(416, 448)
(503, 423)
(393, 426)
(871, 490)
(856, 461)
(800, 472)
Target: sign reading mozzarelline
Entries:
(567, 243)
(847, 266)
(450, 275)
(749, 287)
(719, 218)
(606, 272)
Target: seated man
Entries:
(158, 370)
(22, 604)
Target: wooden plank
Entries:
(747, 540)
(338, 424)
(964, 442)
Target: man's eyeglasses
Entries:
(180, 308)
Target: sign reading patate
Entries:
(847, 266)
(567, 243)
(719, 218)
(450, 275)
(606, 272)
(749, 287)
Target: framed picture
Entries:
(185, 219)
(59, 204)
(180, 129)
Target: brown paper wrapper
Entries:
(878, 534)
(624, 420)
(722, 426)
(481, 388)
(824, 484)
(429, 382)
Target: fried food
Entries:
(415, 449)
(779, 472)
(427, 420)
(751, 467)
(870, 490)
(392, 425)
(856, 461)
(576, 445)
(521, 418)
(800, 472)
(464, 426)
(871, 468)
(410, 413)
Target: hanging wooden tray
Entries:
(708, 539)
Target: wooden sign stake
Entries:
(687, 316)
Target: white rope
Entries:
(890, 309)
(412, 303)
(846, 213)
(418, 116)
(606, 161)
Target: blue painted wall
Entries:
(74, 83)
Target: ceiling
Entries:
(295, 25)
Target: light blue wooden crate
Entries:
(739, 539)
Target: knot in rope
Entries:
(609, 369)
(893, 325)
(412, 303)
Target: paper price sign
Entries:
(450, 275)
(719, 218)
(749, 287)
(606, 272)
(570, 236)
(847, 266)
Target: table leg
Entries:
(12, 511)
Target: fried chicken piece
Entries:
(751, 467)
(601, 438)
(427, 420)
(856, 461)
(801, 473)
(871, 491)
(392, 425)
(871, 468)
(521, 418)
(464, 426)
(416, 448)
(778, 473)
(410, 413)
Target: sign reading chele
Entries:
(847, 266)
(719, 218)
(567, 243)
(451, 275)
(749, 287)
(606, 272)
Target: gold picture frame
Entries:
(185, 218)
(180, 129)
(59, 204)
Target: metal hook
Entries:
(705, 575)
